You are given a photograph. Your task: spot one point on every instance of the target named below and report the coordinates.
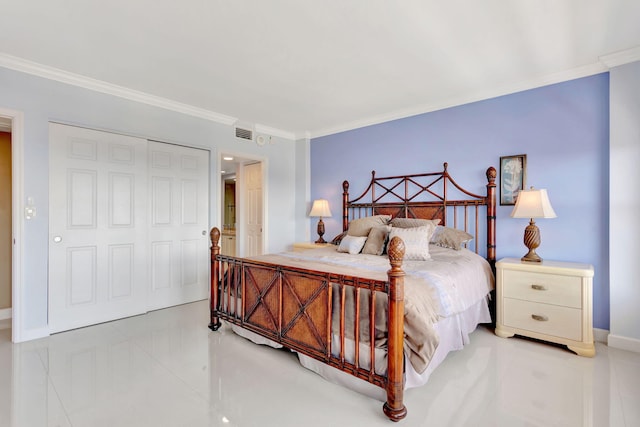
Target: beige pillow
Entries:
(376, 240)
(360, 227)
(413, 222)
(352, 244)
(452, 238)
(416, 241)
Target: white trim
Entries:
(47, 72)
(51, 73)
(575, 73)
(622, 57)
(17, 198)
(5, 124)
(5, 313)
(624, 343)
(34, 334)
(274, 132)
(600, 335)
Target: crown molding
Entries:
(621, 57)
(274, 132)
(489, 93)
(51, 73)
(604, 64)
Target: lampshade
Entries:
(533, 203)
(320, 208)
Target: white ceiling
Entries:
(313, 67)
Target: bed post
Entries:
(215, 323)
(394, 408)
(345, 201)
(491, 216)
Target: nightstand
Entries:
(303, 246)
(550, 301)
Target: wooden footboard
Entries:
(295, 307)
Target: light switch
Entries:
(30, 209)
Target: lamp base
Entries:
(320, 231)
(531, 256)
(531, 241)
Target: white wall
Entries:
(43, 100)
(624, 204)
(303, 192)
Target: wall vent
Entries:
(244, 134)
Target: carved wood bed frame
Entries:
(293, 306)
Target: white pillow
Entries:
(416, 241)
(352, 244)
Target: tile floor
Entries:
(167, 369)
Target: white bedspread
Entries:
(459, 278)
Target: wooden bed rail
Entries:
(308, 311)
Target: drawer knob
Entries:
(539, 287)
(539, 317)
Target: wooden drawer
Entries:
(562, 322)
(541, 287)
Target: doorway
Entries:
(242, 205)
(13, 121)
(5, 223)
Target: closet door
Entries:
(97, 227)
(178, 233)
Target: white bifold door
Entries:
(107, 257)
(178, 237)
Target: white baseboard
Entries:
(31, 334)
(600, 335)
(624, 343)
(5, 313)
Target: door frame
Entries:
(17, 198)
(240, 188)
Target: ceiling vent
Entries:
(244, 134)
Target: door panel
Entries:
(97, 225)
(121, 269)
(253, 197)
(179, 268)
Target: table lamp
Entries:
(532, 204)
(320, 209)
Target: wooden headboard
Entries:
(433, 195)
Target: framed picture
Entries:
(513, 176)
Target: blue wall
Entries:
(562, 128)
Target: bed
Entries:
(378, 322)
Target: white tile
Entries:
(631, 410)
(168, 368)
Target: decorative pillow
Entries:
(360, 227)
(376, 240)
(416, 241)
(413, 222)
(352, 244)
(452, 238)
(336, 240)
